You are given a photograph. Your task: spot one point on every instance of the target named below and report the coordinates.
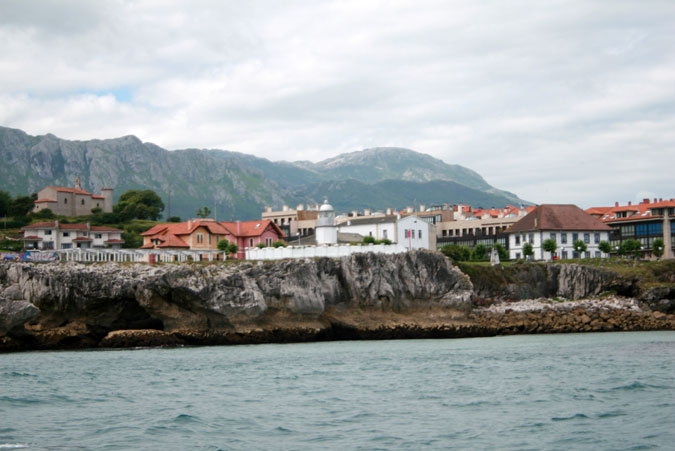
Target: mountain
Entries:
(237, 185)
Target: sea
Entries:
(604, 391)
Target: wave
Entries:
(578, 415)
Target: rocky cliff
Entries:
(60, 305)
(414, 295)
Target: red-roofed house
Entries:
(73, 201)
(204, 234)
(55, 235)
(643, 221)
(562, 223)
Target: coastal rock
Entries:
(15, 313)
(198, 297)
(661, 299)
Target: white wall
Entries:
(377, 231)
(342, 250)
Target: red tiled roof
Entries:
(32, 238)
(69, 190)
(40, 225)
(63, 226)
(82, 238)
(39, 201)
(252, 228)
(558, 217)
(185, 228)
(114, 241)
(96, 196)
(172, 241)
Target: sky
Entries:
(559, 101)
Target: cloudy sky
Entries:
(557, 101)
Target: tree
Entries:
(630, 246)
(479, 252)
(139, 204)
(528, 251)
(5, 202)
(174, 219)
(22, 205)
(456, 253)
(550, 245)
(204, 212)
(96, 211)
(44, 214)
(579, 246)
(605, 247)
(222, 245)
(658, 247)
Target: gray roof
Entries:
(366, 220)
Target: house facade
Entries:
(204, 234)
(55, 236)
(645, 221)
(562, 223)
(416, 233)
(73, 201)
(380, 227)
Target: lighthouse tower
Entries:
(326, 231)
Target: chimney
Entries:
(284, 208)
(616, 204)
(409, 209)
(389, 211)
(354, 214)
(366, 212)
(646, 201)
(630, 203)
(422, 208)
(239, 227)
(268, 209)
(189, 224)
(655, 200)
(300, 207)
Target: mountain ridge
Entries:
(239, 184)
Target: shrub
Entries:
(503, 253)
(605, 247)
(456, 253)
(279, 243)
(386, 241)
(368, 240)
(260, 245)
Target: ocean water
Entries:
(585, 391)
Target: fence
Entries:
(341, 250)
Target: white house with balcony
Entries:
(563, 223)
(55, 236)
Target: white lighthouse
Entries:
(326, 231)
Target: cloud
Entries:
(557, 102)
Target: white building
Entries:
(326, 231)
(416, 233)
(379, 227)
(52, 235)
(563, 223)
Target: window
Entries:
(250, 242)
(563, 237)
(587, 238)
(655, 228)
(419, 234)
(597, 254)
(82, 201)
(67, 246)
(65, 201)
(596, 237)
(268, 241)
(575, 236)
(552, 236)
(627, 230)
(531, 238)
(517, 240)
(65, 234)
(370, 233)
(445, 233)
(517, 254)
(98, 236)
(384, 233)
(200, 238)
(97, 204)
(564, 254)
(209, 239)
(48, 245)
(48, 232)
